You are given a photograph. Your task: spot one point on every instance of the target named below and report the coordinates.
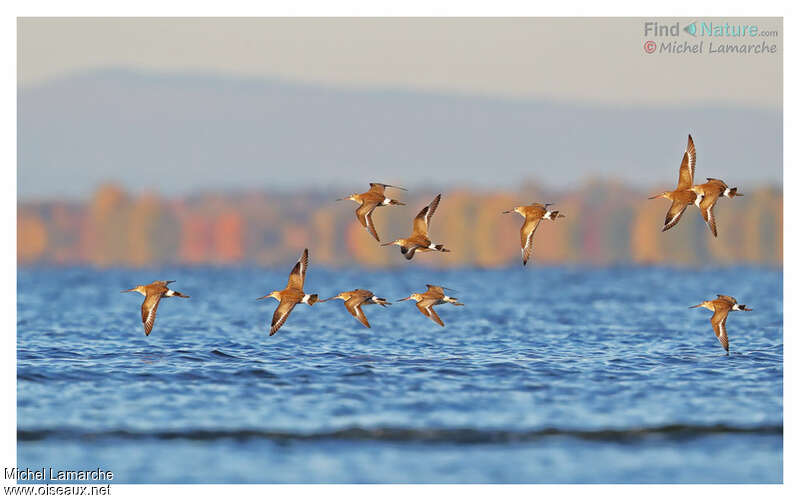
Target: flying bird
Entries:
(354, 300)
(152, 296)
(721, 307)
(533, 214)
(430, 298)
(419, 240)
(683, 195)
(369, 200)
(291, 295)
(707, 196)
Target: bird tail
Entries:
(311, 299)
(732, 193)
(395, 202)
(554, 215)
(440, 248)
(382, 301)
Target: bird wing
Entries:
(426, 308)
(281, 314)
(353, 305)
(298, 275)
(149, 308)
(685, 176)
(380, 187)
(422, 222)
(437, 289)
(526, 237)
(729, 299)
(707, 208)
(674, 213)
(364, 214)
(718, 322)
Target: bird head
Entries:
(138, 288)
(273, 294)
(416, 297)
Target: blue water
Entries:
(546, 375)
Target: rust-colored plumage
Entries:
(152, 297)
(369, 201)
(707, 195)
(683, 195)
(291, 295)
(533, 214)
(430, 298)
(354, 300)
(721, 307)
(419, 241)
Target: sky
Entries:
(182, 106)
(584, 59)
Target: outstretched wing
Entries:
(526, 238)
(718, 322)
(364, 214)
(149, 308)
(426, 308)
(674, 214)
(353, 305)
(380, 187)
(298, 275)
(707, 208)
(280, 315)
(685, 177)
(422, 222)
(436, 289)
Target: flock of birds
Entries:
(704, 196)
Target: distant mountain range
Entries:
(185, 133)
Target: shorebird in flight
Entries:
(707, 196)
(369, 200)
(354, 300)
(419, 240)
(683, 195)
(430, 298)
(533, 214)
(152, 296)
(291, 295)
(721, 307)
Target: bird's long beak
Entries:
(507, 211)
(388, 243)
(406, 299)
(129, 290)
(697, 305)
(656, 196)
(323, 300)
(263, 297)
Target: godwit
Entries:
(721, 307)
(431, 297)
(152, 296)
(707, 196)
(354, 300)
(683, 194)
(533, 214)
(291, 295)
(419, 240)
(369, 200)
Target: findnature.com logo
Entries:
(701, 29)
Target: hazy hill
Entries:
(180, 134)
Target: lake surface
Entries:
(545, 375)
